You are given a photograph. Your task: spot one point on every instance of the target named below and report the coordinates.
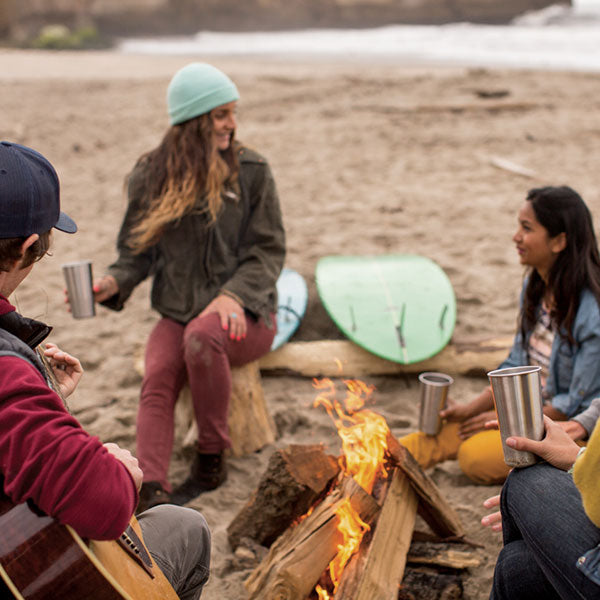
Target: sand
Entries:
(368, 157)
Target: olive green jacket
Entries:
(241, 254)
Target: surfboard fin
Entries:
(443, 316)
(400, 333)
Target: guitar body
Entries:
(43, 560)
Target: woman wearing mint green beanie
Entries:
(204, 221)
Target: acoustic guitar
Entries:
(43, 560)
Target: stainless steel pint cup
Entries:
(434, 392)
(517, 395)
(78, 277)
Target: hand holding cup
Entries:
(434, 393)
(517, 393)
(557, 447)
(78, 277)
(104, 288)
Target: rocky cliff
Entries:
(164, 17)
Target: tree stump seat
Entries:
(251, 427)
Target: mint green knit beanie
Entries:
(196, 89)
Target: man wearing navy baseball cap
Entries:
(29, 209)
(46, 457)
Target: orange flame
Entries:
(364, 444)
(352, 528)
(363, 432)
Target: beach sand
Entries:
(369, 158)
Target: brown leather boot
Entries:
(152, 494)
(208, 472)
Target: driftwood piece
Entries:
(295, 478)
(298, 558)
(379, 565)
(441, 555)
(433, 507)
(451, 559)
(508, 165)
(429, 584)
(251, 427)
(342, 358)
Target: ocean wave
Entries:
(559, 37)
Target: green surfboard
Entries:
(400, 307)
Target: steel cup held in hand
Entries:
(78, 277)
(434, 392)
(517, 395)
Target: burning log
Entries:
(299, 557)
(354, 543)
(433, 507)
(294, 480)
(377, 569)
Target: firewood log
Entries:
(298, 558)
(295, 478)
(433, 507)
(429, 584)
(441, 555)
(379, 565)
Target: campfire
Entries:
(364, 443)
(340, 528)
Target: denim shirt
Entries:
(574, 372)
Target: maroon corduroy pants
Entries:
(202, 354)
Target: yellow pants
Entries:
(480, 457)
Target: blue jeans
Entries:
(545, 531)
(178, 539)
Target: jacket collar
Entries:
(30, 331)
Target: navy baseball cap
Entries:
(29, 194)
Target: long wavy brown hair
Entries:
(185, 172)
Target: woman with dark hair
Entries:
(559, 330)
(204, 220)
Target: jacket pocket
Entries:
(589, 564)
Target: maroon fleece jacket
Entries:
(46, 456)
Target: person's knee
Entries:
(198, 548)
(528, 489)
(198, 533)
(179, 539)
(481, 460)
(188, 522)
(202, 339)
(428, 450)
